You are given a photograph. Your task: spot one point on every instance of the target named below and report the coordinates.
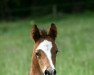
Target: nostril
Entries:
(50, 72)
(46, 72)
(54, 72)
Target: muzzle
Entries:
(50, 72)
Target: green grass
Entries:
(75, 43)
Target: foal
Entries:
(44, 53)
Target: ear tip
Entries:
(35, 26)
(52, 24)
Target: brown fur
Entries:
(38, 36)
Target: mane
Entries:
(43, 33)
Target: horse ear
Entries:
(53, 31)
(35, 33)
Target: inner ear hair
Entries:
(53, 31)
(35, 33)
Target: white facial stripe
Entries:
(46, 46)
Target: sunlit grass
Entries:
(75, 44)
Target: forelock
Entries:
(43, 33)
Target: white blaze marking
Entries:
(46, 46)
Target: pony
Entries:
(44, 52)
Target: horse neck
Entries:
(35, 68)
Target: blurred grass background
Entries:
(75, 42)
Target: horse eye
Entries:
(38, 53)
(56, 51)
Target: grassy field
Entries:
(75, 43)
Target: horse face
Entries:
(46, 49)
(46, 56)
